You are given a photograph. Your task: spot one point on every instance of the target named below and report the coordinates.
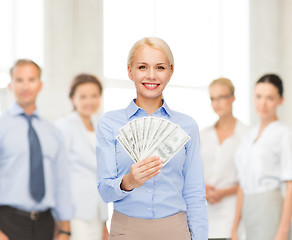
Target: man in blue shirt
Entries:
(34, 180)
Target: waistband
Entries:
(33, 215)
(178, 216)
(173, 227)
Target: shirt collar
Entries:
(237, 128)
(132, 108)
(166, 108)
(15, 110)
(76, 115)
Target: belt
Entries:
(33, 215)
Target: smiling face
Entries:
(25, 84)
(266, 100)
(150, 71)
(86, 99)
(221, 99)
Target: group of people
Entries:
(224, 174)
(48, 173)
(245, 169)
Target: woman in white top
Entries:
(264, 163)
(218, 145)
(79, 132)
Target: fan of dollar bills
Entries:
(152, 136)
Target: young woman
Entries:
(79, 132)
(218, 145)
(151, 201)
(264, 164)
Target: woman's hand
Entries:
(140, 172)
(234, 235)
(285, 222)
(282, 236)
(209, 189)
(105, 234)
(213, 195)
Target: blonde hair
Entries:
(154, 42)
(224, 81)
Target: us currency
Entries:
(165, 128)
(139, 123)
(126, 146)
(134, 133)
(157, 123)
(170, 146)
(130, 138)
(147, 130)
(151, 136)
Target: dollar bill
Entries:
(167, 148)
(164, 130)
(126, 146)
(139, 123)
(154, 127)
(152, 136)
(134, 132)
(146, 130)
(130, 137)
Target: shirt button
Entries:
(149, 209)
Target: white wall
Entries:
(73, 44)
(271, 48)
(286, 57)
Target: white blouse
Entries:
(80, 145)
(263, 165)
(218, 159)
(220, 172)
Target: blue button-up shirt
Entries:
(14, 165)
(178, 187)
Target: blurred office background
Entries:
(238, 39)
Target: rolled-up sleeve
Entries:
(194, 188)
(108, 181)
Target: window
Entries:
(21, 25)
(6, 43)
(209, 39)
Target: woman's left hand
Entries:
(285, 222)
(282, 236)
(214, 196)
(105, 235)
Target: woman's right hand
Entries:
(3, 236)
(140, 172)
(234, 235)
(209, 189)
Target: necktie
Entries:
(36, 175)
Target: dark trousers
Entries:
(20, 225)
